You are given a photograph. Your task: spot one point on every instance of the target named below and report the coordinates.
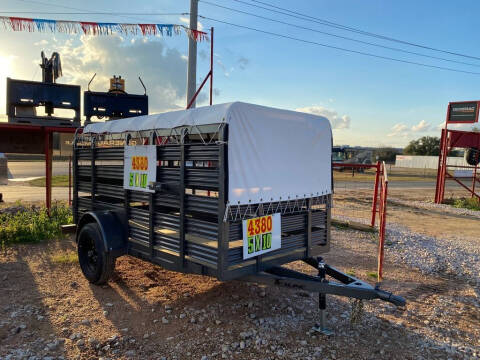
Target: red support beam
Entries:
(383, 221)
(209, 75)
(375, 194)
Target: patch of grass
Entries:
(66, 258)
(32, 224)
(350, 272)
(372, 274)
(465, 203)
(57, 181)
(345, 225)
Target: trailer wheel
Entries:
(97, 265)
(472, 156)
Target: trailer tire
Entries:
(97, 265)
(472, 156)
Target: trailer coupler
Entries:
(345, 285)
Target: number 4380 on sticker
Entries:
(261, 235)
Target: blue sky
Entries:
(369, 101)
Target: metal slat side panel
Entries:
(202, 152)
(166, 242)
(151, 223)
(82, 186)
(319, 217)
(115, 153)
(204, 229)
(168, 174)
(202, 178)
(201, 204)
(138, 196)
(182, 200)
(85, 171)
(139, 216)
(93, 174)
(83, 153)
(301, 229)
(167, 221)
(168, 152)
(223, 227)
(110, 171)
(319, 237)
(167, 200)
(202, 253)
(111, 191)
(75, 184)
(139, 235)
(235, 255)
(290, 223)
(102, 205)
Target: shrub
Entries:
(467, 203)
(32, 224)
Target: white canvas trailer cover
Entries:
(273, 154)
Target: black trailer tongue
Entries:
(344, 285)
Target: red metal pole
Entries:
(48, 169)
(439, 168)
(440, 188)
(381, 242)
(444, 165)
(375, 195)
(211, 66)
(70, 181)
(198, 91)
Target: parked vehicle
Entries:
(232, 191)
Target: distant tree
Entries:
(386, 154)
(426, 145)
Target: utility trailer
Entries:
(232, 191)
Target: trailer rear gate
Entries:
(188, 225)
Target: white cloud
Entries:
(422, 126)
(162, 69)
(399, 130)
(186, 21)
(42, 42)
(338, 122)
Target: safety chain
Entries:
(357, 311)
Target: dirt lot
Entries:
(49, 310)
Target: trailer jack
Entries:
(345, 285)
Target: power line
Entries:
(338, 36)
(90, 13)
(74, 8)
(317, 20)
(339, 48)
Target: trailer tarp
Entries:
(273, 154)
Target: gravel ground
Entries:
(427, 205)
(453, 256)
(49, 311)
(446, 256)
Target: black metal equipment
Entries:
(114, 104)
(187, 224)
(23, 97)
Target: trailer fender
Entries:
(113, 227)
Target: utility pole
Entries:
(192, 54)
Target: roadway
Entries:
(29, 169)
